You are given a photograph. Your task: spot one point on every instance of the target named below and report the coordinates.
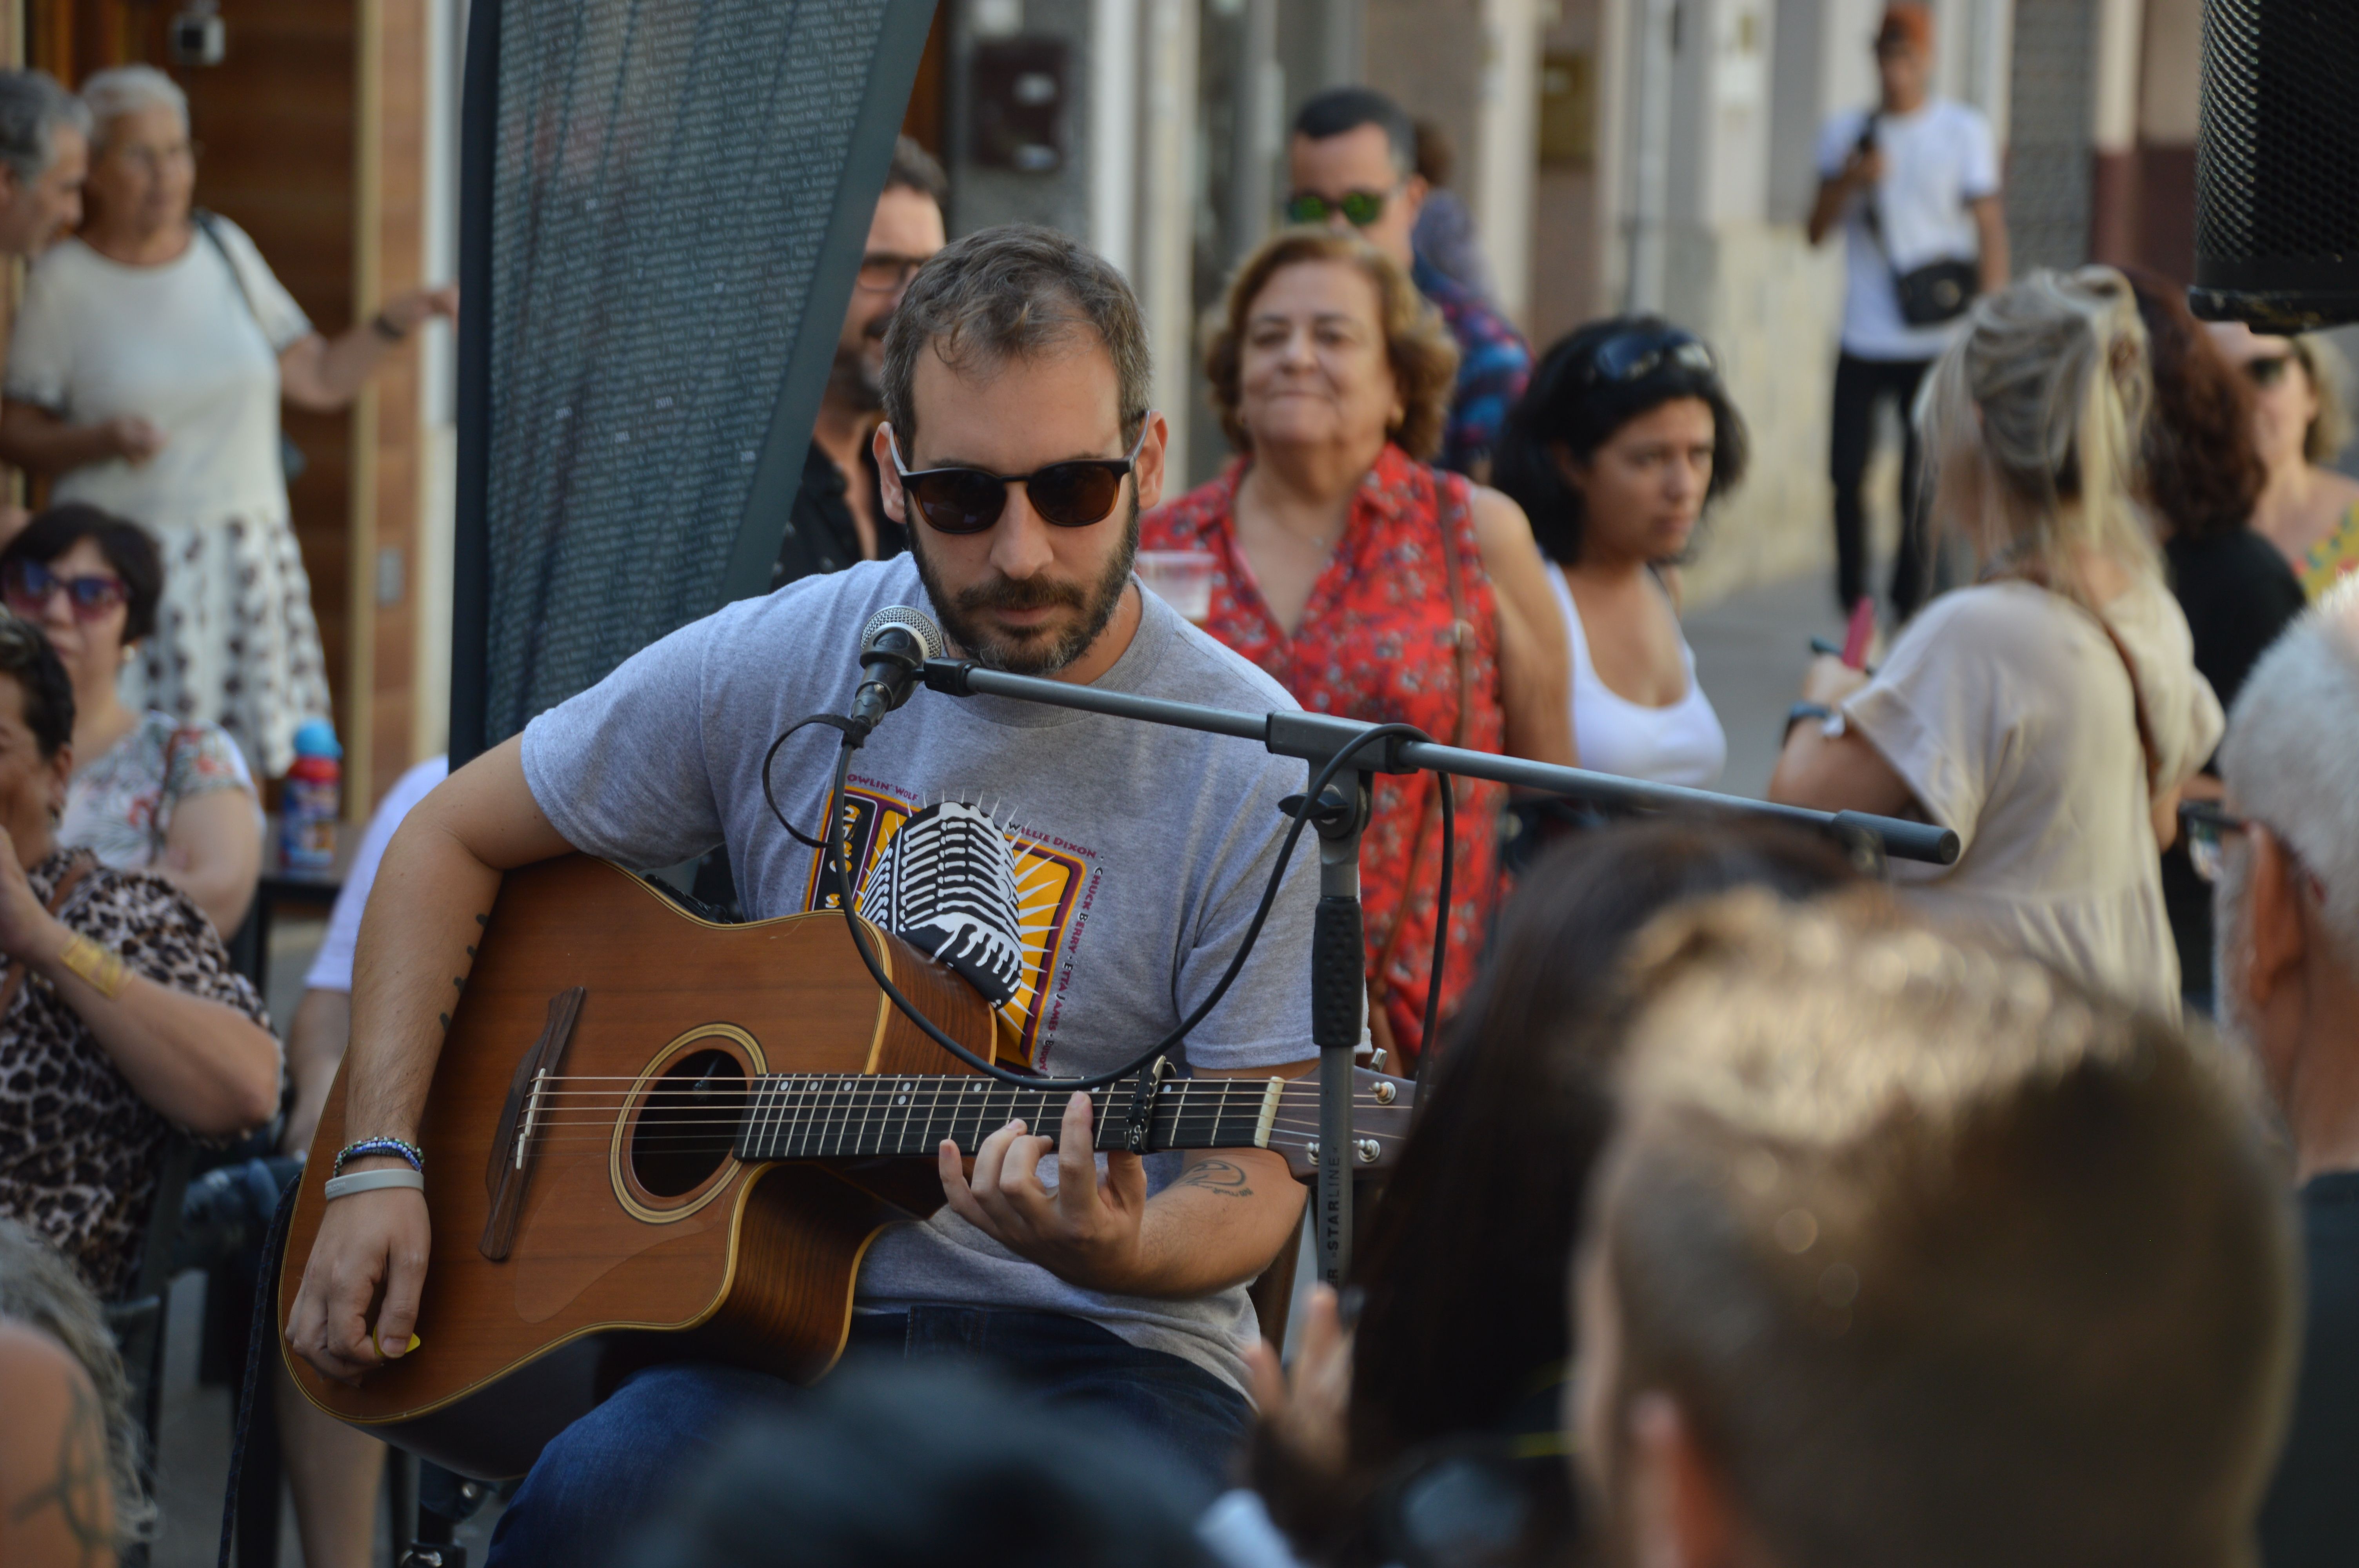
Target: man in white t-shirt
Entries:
(1912, 182)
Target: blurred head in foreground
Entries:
(101, 1493)
(1907, 1253)
(893, 1466)
(2286, 854)
(1464, 1329)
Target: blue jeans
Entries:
(621, 1461)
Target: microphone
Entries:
(894, 647)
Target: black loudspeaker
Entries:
(2277, 164)
(662, 206)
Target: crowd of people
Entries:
(1764, 1203)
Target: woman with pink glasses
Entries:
(148, 792)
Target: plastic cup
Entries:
(1181, 579)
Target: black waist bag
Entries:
(1936, 292)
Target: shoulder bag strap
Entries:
(2137, 704)
(210, 227)
(75, 874)
(2129, 668)
(1462, 638)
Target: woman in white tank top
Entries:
(1622, 438)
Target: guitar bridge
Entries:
(512, 1146)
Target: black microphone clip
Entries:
(894, 647)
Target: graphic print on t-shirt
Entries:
(946, 883)
(998, 905)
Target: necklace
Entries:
(1324, 543)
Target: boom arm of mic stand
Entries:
(1336, 985)
(1314, 737)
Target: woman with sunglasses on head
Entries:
(2050, 713)
(1623, 437)
(148, 792)
(145, 370)
(1370, 585)
(2306, 510)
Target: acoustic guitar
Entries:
(652, 1136)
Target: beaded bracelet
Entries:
(398, 1148)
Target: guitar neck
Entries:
(826, 1116)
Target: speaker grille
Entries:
(2276, 168)
(664, 174)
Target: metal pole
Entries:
(1339, 996)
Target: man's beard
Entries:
(1047, 651)
(852, 380)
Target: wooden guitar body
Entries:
(620, 1249)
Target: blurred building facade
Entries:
(1615, 154)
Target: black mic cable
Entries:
(891, 689)
(1204, 1009)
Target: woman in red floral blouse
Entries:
(1370, 585)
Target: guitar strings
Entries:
(877, 1083)
(808, 1111)
(671, 1127)
(815, 1133)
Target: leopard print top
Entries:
(80, 1150)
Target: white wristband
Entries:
(371, 1181)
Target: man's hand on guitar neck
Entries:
(1217, 1226)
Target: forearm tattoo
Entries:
(1221, 1176)
(458, 982)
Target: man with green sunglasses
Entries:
(1353, 165)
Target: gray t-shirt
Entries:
(1134, 858)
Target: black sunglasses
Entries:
(2266, 371)
(880, 270)
(2207, 826)
(967, 501)
(1634, 355)
(28, 584)
(1360, 208)
(1474, 1501)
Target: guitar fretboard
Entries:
(820, 1115)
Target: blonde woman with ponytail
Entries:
(2050, 712)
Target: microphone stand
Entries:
(1338, 991)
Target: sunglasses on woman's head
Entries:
(1073, 494)
(28, 584)
(1631, 356)
(1360, 208)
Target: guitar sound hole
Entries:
(688, 1123)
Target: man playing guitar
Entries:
(1129, 858)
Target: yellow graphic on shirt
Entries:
(996, 904)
